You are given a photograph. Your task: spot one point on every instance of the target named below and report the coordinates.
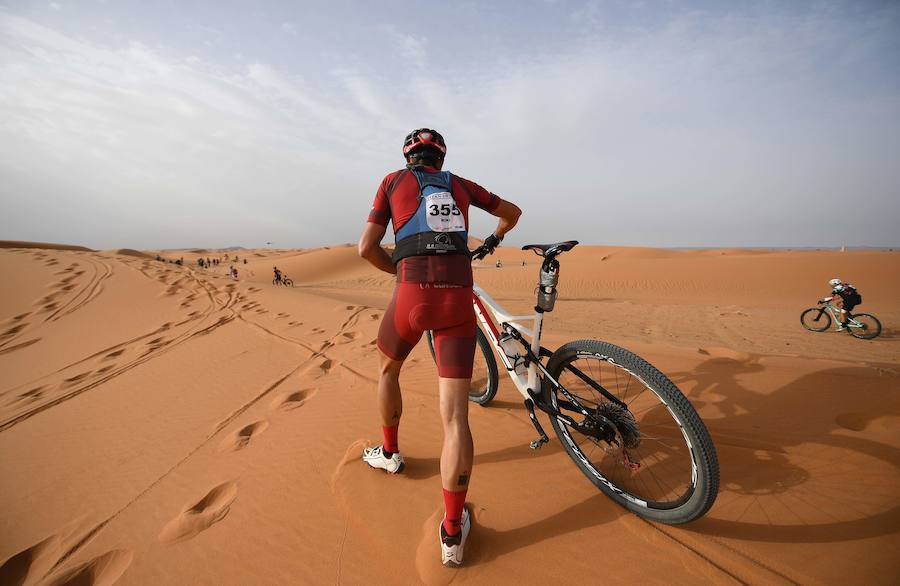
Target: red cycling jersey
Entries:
(397, 200)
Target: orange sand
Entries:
(168, 425)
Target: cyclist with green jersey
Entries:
(428, 209)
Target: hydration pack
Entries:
(849, 293)
(438, 227)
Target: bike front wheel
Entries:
(869, 326)
(485, 378)
(815, 319)
(662, 464)
(288, 283)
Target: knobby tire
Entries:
(701, 477)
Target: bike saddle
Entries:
(548, 250)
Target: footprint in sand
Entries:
(348, 337)
(374, 316)
(31, 563)
(114, 354)
(21, 316)
(14, 330)
(293, 399)
(102, 570)
(241, 438)
(35, 394)
(73, 380)
(208, 511)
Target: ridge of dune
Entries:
(132, 252)
(44, 245)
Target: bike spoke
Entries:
(663, 470)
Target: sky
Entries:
(220, 123)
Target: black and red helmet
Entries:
(424, 138)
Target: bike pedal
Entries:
(536, 444)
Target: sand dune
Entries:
(42, 245)
(165, 424)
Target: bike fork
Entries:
(529, 405)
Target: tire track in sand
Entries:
(106, 374)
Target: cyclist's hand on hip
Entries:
(490, 243)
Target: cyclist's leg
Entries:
(390, 401)
(396, 339)
(458, 449)
(842, 316)
(455, 353)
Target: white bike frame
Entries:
(490, 313)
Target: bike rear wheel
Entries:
(288, 283)
(485, 379)
(869, 328)
(815, 319)
(669, 472)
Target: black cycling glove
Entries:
(490, 243)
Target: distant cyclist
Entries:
(846, 297)
(278, 278)
(429, 211)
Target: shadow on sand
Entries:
(798, 464)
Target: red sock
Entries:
(453, 505)
(390, 437)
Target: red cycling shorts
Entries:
(444, 309)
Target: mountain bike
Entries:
(860, 325)
(287, 282)
(626, 426)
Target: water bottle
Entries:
(515, 352)
(546, 298)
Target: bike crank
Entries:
(529, 405)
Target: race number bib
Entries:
(442, 213)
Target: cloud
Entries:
(289, 28)
(694, 129)
(411, 48)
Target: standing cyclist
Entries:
(429, 211)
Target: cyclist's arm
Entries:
(508, 213)
(371, 250)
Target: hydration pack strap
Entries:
(440, 180)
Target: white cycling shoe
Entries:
(375, 458)
(452, 545)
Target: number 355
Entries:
(445, 209)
